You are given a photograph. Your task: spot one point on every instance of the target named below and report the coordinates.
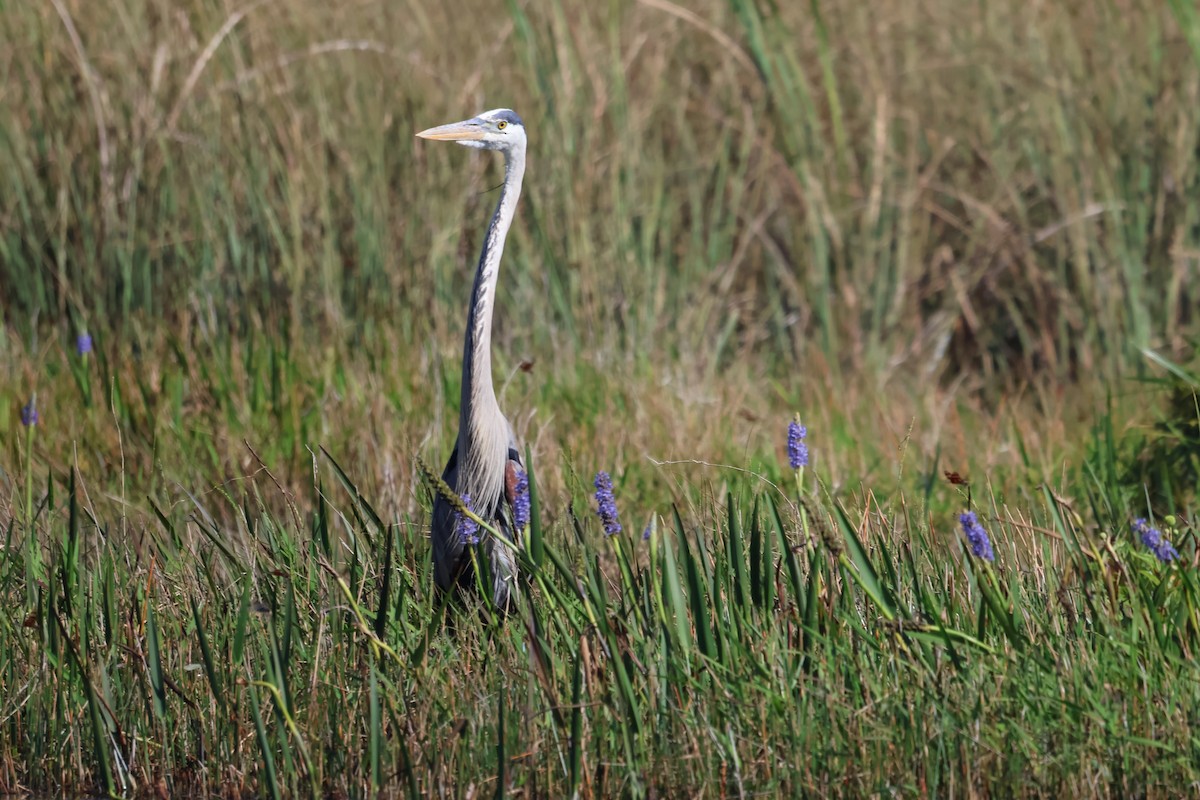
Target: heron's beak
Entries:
(467, 130)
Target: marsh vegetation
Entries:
(959, 240)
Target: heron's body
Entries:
(486, 460)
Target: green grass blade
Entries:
(154, 665)
(675, 601)
(374, 732)
(270, 778)
(501, 750)
(696, 594)
(385, 582)
(741, 587)
(210, 668)
(536, 546)
(862, 573)
(575, 751)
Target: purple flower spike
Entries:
(1153, 539)
(468, 529)
(606, 504)
(797, 449)
(521, 501)
(981, 545)
(29, 414)
(83, 344)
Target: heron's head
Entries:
(499, 129)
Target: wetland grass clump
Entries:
(289, 647)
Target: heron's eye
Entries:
(501, 125)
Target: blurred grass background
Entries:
(945, 231)
(926, 189)
(824, 198)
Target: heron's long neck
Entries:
(479, 408)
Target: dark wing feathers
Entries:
(448, 549)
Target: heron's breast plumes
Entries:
(485, 454)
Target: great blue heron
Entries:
(486, 462)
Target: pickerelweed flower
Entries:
(797, 449)
(521, 501)
(29, 414)
(646, 533)
(468, 529)
(1153, 538)
(981, 545)
(83, 344)
(606, 504)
